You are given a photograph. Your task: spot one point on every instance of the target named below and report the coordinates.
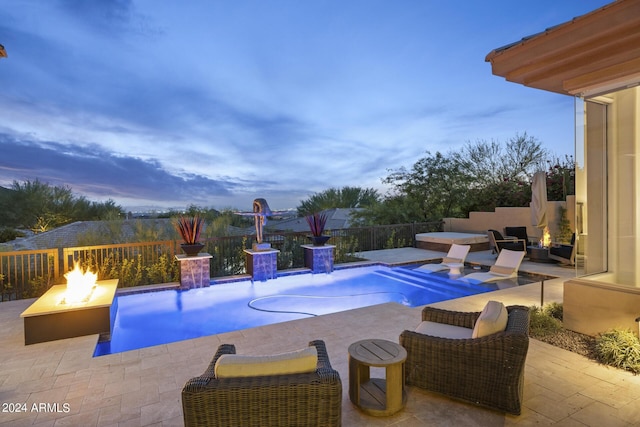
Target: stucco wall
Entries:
(480, 222)
(593, 306)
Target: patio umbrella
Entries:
(539, 200)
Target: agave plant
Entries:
(189, 228)
(316, 222)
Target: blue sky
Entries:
(160, 103)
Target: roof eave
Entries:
(579, 56)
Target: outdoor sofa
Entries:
(300, 399)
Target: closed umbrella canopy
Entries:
(539, 200)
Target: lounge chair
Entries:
(505, 267)
(519, 233)
(242, 397)
(457, 254)
(485, 370)
(498, 242)
(566, 254)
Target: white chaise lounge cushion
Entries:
(295, 362)
(492, 319)
(443, 330)
(457, 254)
(506, 267)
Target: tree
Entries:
(437, 184)
(393, 209)
(480, 176)
(40, 206)
(490, 163)
(345, 197)
(499, 176)
(431, 190)
(561, 178)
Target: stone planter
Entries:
(319, 240)
(191, 249)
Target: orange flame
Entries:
(80, 284)
(545, 241)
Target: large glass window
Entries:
(607, 186)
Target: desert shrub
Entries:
(7, 234)
(395, 241)
(542, 323)
(132, 271)
(37, 287)
(346, 248)
(554, 309)
(163, 271)
(619, 348)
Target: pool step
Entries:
(435, 283)
(444, 278)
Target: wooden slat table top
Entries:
(376, 352)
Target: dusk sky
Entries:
(161, 103)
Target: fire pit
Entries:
(83, 306)
(540, 253)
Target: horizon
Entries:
(151, 104)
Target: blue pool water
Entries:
(154, 318)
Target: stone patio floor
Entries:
(142, 387)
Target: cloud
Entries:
(91, 170)
(221, 102)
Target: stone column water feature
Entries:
(194, 271)
(262, 265)
(318, 258)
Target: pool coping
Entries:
(300, 271)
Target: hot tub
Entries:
(442, 241)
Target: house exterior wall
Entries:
(595, 57)
(606, 294)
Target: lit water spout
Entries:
(80, 285)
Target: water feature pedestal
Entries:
(194, 271)
(319, 258)
(262, 265)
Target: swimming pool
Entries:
(154, 318)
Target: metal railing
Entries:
(28, 274)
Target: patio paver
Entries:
(142, 387)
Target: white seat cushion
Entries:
(443, 330)
(492, 319)
(295, 362)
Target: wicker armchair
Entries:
(487, 371)
(308, 399)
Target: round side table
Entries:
(376, 396)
